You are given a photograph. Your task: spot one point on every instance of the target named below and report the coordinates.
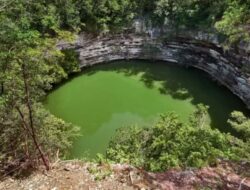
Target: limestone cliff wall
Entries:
(230, 68)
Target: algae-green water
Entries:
(113, 95)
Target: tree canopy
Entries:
(230, 17)
(30, 63)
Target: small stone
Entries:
(233, 178)
(245, 185)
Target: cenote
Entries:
(121, 93)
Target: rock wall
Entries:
(230, 68)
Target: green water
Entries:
(106, 97)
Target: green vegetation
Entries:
(230, 17)
(241, 124)
(30, 62)
(235, 22)
(171, 143)
(105, 16)
(69, 62)
(190, 13)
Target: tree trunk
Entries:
(31, 123)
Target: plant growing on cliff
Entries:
(25, 72)
(171, 143)
(24, 123)
(106, 16)
(69, 62)
(235, 22)
(240, 123)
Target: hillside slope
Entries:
(79, 175)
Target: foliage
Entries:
(235, 22)
(17, 148)
(70, 62)
(171, 143)
(229, 17)
(28, 60)
(191, 13)
(105, 16)
(241, 123)
(100, 172)
(55, 134)
(49, 17)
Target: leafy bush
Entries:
(191, 13)
(241, 124)
(235, 22)
(171, 143)
(17, 149)
(70, 62)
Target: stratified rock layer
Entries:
(230, 68)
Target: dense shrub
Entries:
(171, 143)
(241, 124)
(70, 61)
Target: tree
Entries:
(106, 16)
(26, 61)
(189, 13)
(235, 22)
(24, 84)
(171, 143)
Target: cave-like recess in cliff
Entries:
(112, 95)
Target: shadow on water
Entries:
(181, 84)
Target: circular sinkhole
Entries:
(121, 93)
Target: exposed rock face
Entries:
(202, 51)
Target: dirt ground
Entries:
(76, 175)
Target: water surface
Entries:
(106, 97)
